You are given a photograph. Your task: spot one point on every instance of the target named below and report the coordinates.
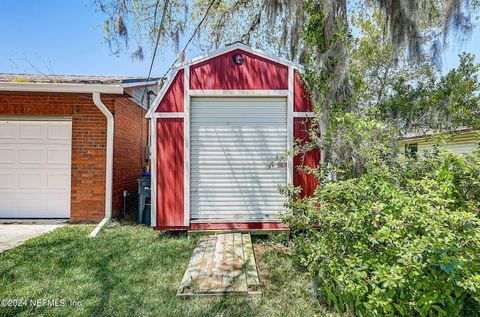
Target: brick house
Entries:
(70, 145)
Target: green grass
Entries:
(135, 271)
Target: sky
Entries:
(66, 37)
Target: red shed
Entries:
(216, 127)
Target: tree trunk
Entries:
(326, 35)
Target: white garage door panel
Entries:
(7, 180)
(32, 131)
(232, 143)
(35, 169)
(31, 156)
(8, 155)
(7, 132)
(32, 180)
(58, 132)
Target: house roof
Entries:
(419, 135)
(71, 83)
(72, 79)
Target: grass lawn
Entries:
(135, 271)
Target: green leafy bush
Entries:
(403, 239)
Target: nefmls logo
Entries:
(48, 302)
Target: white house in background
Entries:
(462, 141)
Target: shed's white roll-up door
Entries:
(35, 169)
(232, 143)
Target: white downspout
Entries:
(109, 163)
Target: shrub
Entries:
(403, 239)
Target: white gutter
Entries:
(99, 227)
(57, 87)
(109, 164)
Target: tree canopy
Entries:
(384, 232)
(370, 63)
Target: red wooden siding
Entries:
(302, 102)
(173, 99)
(256, 73)
(170, 206)
(310, 159)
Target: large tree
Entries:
(317, 34)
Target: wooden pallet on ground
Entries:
(221, 264)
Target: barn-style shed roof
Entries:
(219, 52)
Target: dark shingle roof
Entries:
(71, 79)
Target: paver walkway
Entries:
(222, 264)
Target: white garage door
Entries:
(232, 143)
(35, 169)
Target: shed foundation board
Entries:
(257, 232)
(221, 264)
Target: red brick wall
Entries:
(89, 136)
(129, 152)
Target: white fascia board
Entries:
(161, 94)
(65, 88)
